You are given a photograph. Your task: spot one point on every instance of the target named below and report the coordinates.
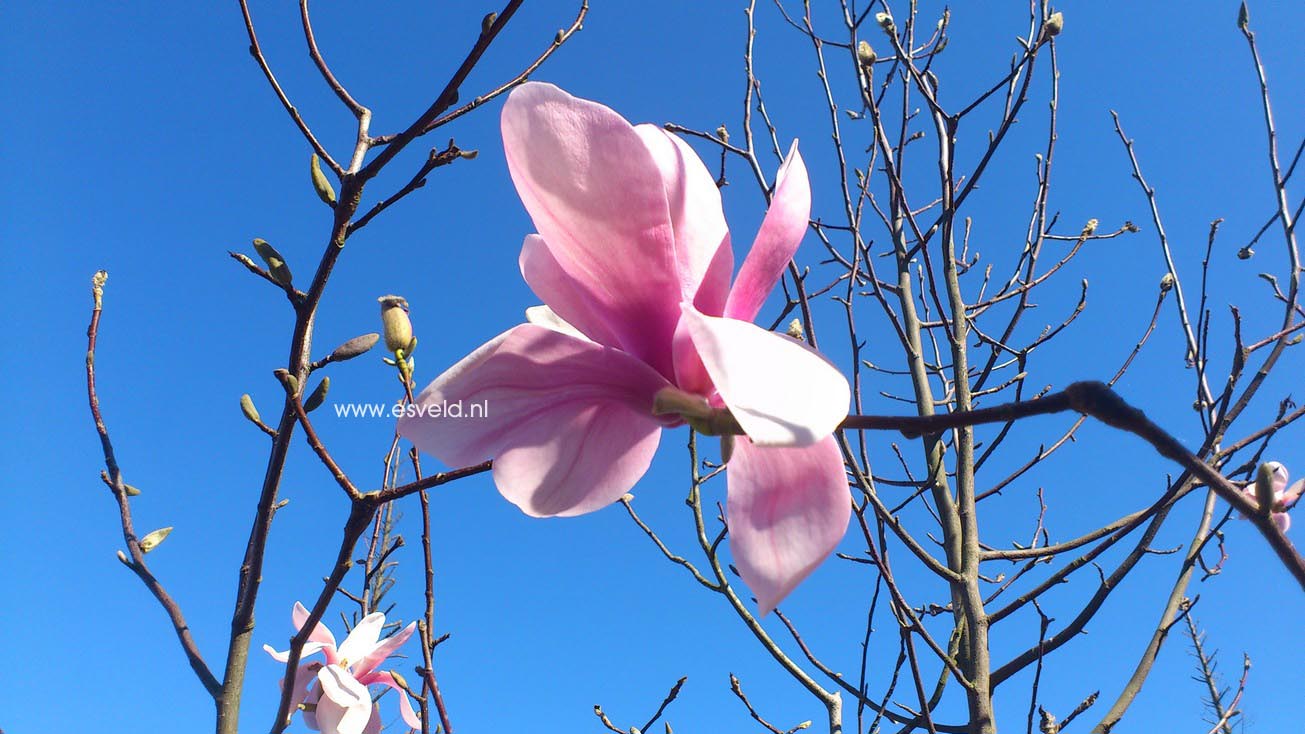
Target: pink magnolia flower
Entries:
(633, 261)
(334, 694)
(1284, 497)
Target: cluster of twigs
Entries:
(961, 341)
(368, 509)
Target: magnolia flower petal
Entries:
(310, 705)
(572, 302)
(703, 257)
(381, 652)
(1282, 520)
(530, 380)
(781, 232)
(374, 724)
(345, 706)
(410, 716)
(281, 657)
(299, 615)
(1292, 494)
(304, 677)
(595, 194)
(787, 509)
(576, 458)
(362, 639)
(781, 392)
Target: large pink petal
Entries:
(781, 392)
(570, 299)
(576, 459)
(345, 706)
(299, 615)
(374, 724)
(703, 256)
(410, 716)
(384, 650)
(568, 423)
(595, 194)
(787, 509)
(362, 639)
(781, 232)
(521, 377)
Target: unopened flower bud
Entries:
(1090, 227)
(318, 395)
(130, 490)
(1167, 283)
(723, 134)
(1265, 496)
(400, 680)
(355, 347)
(488, 22)
(560, 37)
(247, 407)
(1055, 24)
(885, 21)
(123, 557)
(468, 155)
(152, 540)
(1243, 16)
(795, 329)
(397, 326)
(1246, 253)
(321, 184)
(865, 55)
(276, 264)
(288, 381)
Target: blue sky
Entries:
(142, 139)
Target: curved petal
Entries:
(781, 232)
(576, 459)
(281, 657)
(568, 422)
(381, 652)
(374, 724)
(570, 300)
(362, 639)
(304, 677)
(595, 194)
(781, 392)
(298, 616)
(1282, 520)
(523, 376)
(703, 257)
(787, 509)
(410, 716)
(345, 706)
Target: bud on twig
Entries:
(130, 490)
(397, 326)
(1243, 17)
(1054, 25)
(355, 347)
(1264, 494)
(318, 395)
(865, 56)
(247, 407)
(276, 264)
(321, 184)
(487, 22)
(1167, 283)
(795, 330)
(152, 540)
(886, 22)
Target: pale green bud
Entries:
(397, 326)
(152, 540)
(321, 184)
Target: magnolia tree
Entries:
(879, 457)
